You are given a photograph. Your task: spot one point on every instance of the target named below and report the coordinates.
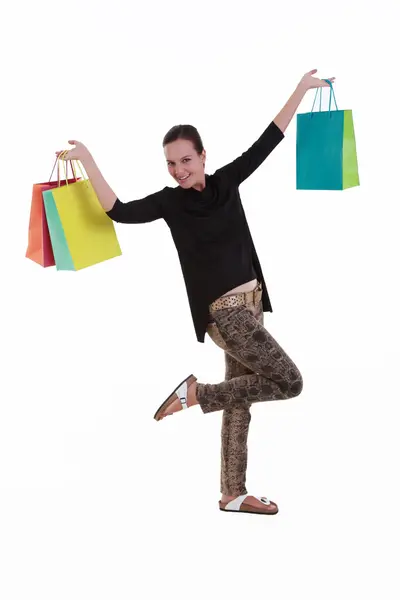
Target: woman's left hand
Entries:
(309, 82)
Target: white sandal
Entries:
(239, 505)
(181, 392)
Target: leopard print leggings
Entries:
(257, 369)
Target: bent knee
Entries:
(296, 386)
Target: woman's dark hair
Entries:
(184, 132)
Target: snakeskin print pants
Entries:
(257, 369)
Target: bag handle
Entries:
(331, 93)
(58, 171)
(65, 169)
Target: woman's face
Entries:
(184, 164)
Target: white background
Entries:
(97, 500)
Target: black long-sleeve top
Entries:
(209, 229)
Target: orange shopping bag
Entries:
(39, 244)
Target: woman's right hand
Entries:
(80, 152)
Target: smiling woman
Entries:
(225, 285)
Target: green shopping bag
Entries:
(62, 255)
(326, 156)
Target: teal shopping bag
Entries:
(62, 255)
(326, 155)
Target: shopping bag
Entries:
(39, 247)
(81, 233)
(326, 154)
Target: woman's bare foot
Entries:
(176, 404)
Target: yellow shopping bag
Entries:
(81, 233)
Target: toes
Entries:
(166, 415)
(172, 409)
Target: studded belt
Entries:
(239, 299)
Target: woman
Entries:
(224, 282)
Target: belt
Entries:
(240, 299)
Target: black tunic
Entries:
(209, 229)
